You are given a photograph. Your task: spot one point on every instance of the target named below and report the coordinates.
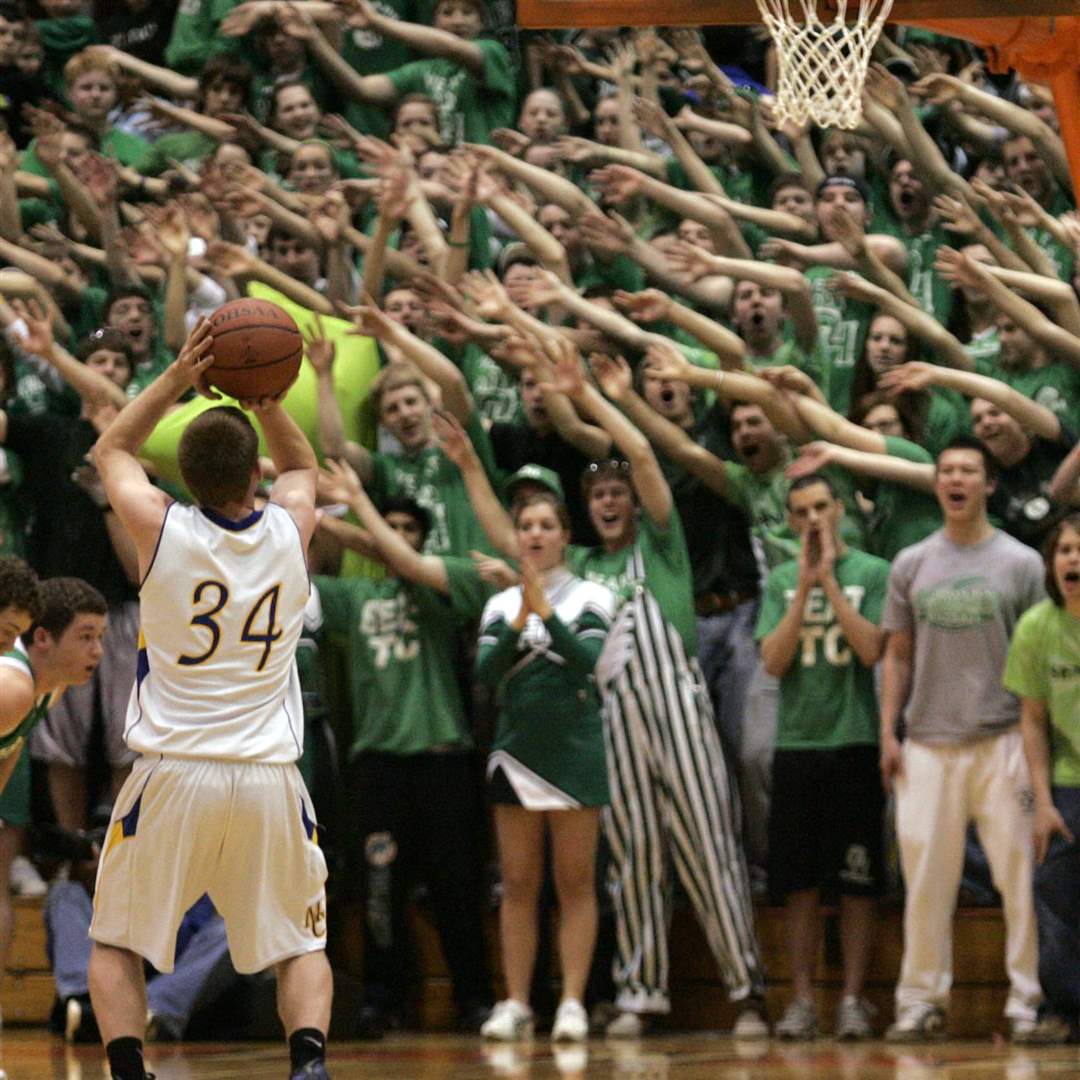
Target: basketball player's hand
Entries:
(195, 357)
(891, 760)
(1048, 821)
(258, 405)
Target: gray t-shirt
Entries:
(961, 602)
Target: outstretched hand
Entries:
(195, 358)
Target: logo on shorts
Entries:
(856, 869)
(380, 849)
(315, 919)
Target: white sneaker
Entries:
(627, 1025)
(571, 1022)
(24, 878)
(509, 1021)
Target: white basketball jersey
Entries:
(222, 608)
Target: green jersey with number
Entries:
(902, 515)
(842, 327)
(402, 653)
(827, 695)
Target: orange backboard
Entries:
(583, 13)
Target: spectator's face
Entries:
(669, 397)
(840, 199)
(991, 173)
(14, 622)
(606, 122)
(756, 310)
(405, 307)
(407, 527)
(135, 317)
(907, 192)
(115, 366)
(459, 17)
(295, 258)
(75, 655)
(1025, 168)
(415, 119)
(754, 438)
(92, 95)
(430, 163)
(9, 42)
(29, 57)
(222, 96)
(59, 9)
(693, 232)
(1017, 344)
(541, 537)
(886, 344)
(885, 420)
(707, 146)
(532, 402)
(311, 170)
(842, 156)
(995, 429)
(284, 52)
(74, 146)
(406, 414)
(559, 223)
(611, 510)
(1066, 564)
(257, 228)
(961, 485)
(814, 510)
(295, 112)
(517, 279)
(542, 117)
(795, 200)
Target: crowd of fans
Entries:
(686, 419)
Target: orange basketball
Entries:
(257, 349)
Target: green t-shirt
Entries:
(1044, 664)
(762, 497)
(827, 696)
(662, 555)
(929, 288)
(129, 150)
(494, 391)
(401, 649)
(195, 36)
(842, 328)
(946, 417)
(435, 482)
(187, 147)
(470, 108)
(902, 515)
(791, 353)
(1056, 386)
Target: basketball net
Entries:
(822, 65)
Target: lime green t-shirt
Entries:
(827, 696)
(667, 572)
(1044, 664)
(470, 108)
(401, 649)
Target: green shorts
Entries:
(15, 798)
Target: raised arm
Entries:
(363, 15)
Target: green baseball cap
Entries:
(536, 474)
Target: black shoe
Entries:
(470, 1018)
(372, 1023)
(313, 1070)
(80, 1024)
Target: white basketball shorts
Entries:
(242, 832)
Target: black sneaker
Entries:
(372, 1023)
(313, 1070)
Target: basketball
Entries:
(257, 349)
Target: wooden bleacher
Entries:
(698, 998)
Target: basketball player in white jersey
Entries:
(215, 804)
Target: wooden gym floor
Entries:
(33, 1054)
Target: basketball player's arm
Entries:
(140, 506)
(297, 466)
(16, 699)
(895, 687)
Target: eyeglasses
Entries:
(611, 465)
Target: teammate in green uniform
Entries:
(64, 622)
(539, 643)
(819, 635)
(412, 790)
(1043, 670)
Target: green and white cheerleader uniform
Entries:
(548, 751)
